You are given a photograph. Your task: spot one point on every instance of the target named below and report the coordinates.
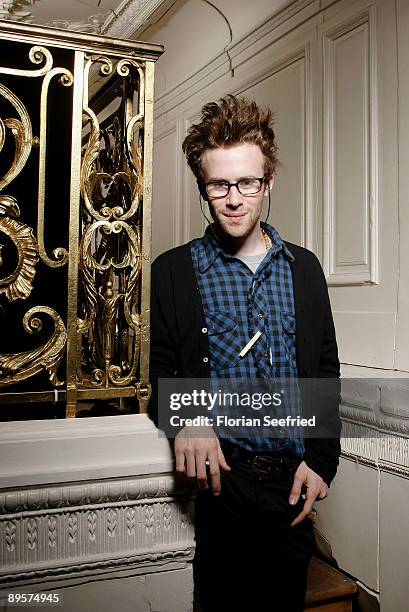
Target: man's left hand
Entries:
(315, 488)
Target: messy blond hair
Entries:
(231, 121)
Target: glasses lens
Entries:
(249, 186)
(217, 190)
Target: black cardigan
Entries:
(178, 345)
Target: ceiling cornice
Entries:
(93, 25)
(15, 10)
(130, 16)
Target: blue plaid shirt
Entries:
(237, 304)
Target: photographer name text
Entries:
(223, 420)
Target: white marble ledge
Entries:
(45, 452)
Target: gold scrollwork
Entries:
(18, 284)
(123, 68)
(15, 367)
(134, 149)
(90, 156)
(104, 307)
(2, 134)
(22, 133)
(60, 254)
(132, 175)
(89, 179)
(106, 68)
(37, 55)
(109, 325)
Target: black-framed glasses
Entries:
(245, 186)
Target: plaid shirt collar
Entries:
(210, 248)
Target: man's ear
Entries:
(202, 189)
(269, 186)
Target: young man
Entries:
(239, 283)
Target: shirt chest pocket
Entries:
(224, 341)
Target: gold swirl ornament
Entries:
(15, 367)
(19, 284)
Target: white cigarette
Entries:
(250, 344)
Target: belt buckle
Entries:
(267, 465)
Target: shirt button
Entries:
(266, 355)
(205, 359)
(204, 330)
(260, 315)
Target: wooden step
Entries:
(328, 590)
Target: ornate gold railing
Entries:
(75, 173)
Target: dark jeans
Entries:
(248, 557)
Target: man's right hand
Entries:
(195, 448)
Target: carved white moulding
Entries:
(92, 494)
(375, 423)
(129, 16)
(126, 525)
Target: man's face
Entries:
(237, 216)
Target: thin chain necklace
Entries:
(267, 240)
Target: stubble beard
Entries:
(236, 233)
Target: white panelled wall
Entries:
(337, 76)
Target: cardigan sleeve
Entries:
(177, 344)
(322, 454)
(164, 360)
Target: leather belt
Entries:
(261, 464)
